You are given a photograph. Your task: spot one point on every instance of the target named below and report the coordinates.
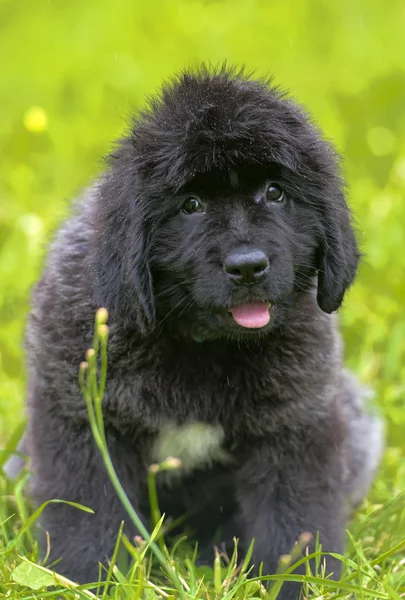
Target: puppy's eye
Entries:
(274, 193)
(191, 205)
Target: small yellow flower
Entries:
(36, 119)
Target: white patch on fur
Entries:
(195, 444)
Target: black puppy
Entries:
(219, 240)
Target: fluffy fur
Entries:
(291, 419)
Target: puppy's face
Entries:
(231, 251)
(221, 207)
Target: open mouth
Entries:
(252, 315)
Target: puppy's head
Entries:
(220, 208)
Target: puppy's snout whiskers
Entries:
(173, 288)
(187, 299)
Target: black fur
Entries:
(175, 353)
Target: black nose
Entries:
(246, 265)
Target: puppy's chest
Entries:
(200, 393)
(197, 402)
(198, 415)
(203, 411)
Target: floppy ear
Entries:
(139, 272)
(338, 257)
(123, 280)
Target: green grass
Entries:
(71, 72)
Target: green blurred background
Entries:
(71, 73)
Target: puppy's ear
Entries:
(141, 276)
(123, 279)
(338, 257)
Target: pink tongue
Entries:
(253, 315)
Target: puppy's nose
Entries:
(246, 265)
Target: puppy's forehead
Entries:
(233, 178)
(220, 119)
(227, 180)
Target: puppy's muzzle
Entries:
(246, 266)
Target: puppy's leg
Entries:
(68, 467)
(289, 486)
